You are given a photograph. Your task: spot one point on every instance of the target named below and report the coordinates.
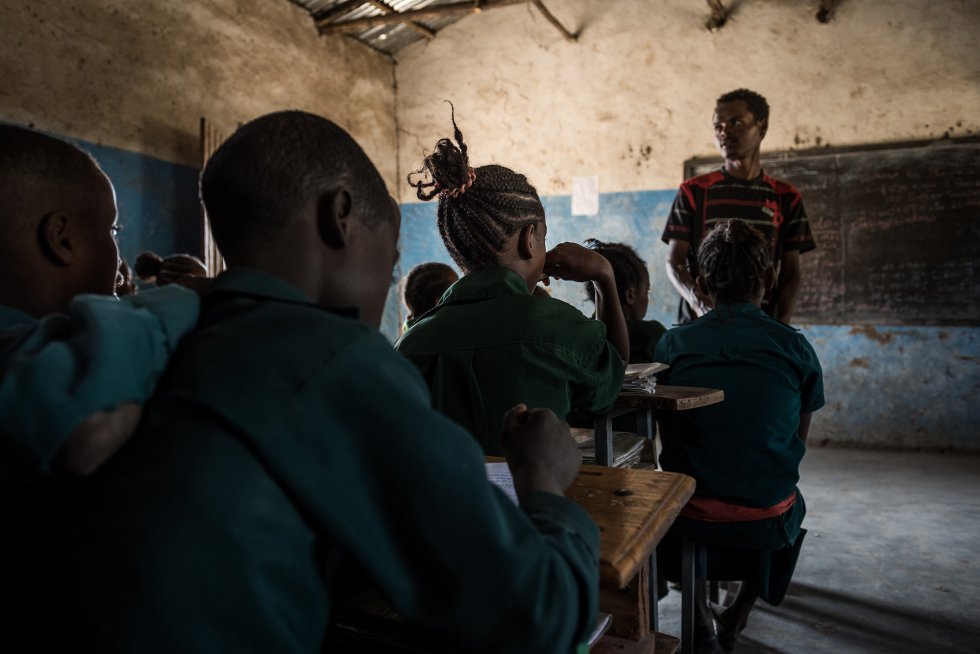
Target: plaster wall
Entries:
(139, 75)
(632, 100)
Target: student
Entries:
(490, 343)
(289, 450)
(74, 368)
(633, 290)
(424, 285)
(151, 268)
(744, 452)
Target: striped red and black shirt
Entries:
(773, 207)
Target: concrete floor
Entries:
(889, 564)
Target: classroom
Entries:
(606, 107)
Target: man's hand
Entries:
(97, 439)
(540, 451)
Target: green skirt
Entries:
(760, 551)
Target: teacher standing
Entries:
(742, 190)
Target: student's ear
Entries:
(763, 128)
(56, 238)
(526, 245)
(769, 278)
(629, 297)
(333, 213)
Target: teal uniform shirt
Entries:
(287, 446)
(490, 344)
(644, 336)
(744, 450)
(57, 371)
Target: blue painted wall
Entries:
(886, 387)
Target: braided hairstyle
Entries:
(733, 259)
(629, 269)
(479, 209)
(425, 284)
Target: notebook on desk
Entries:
(640, 377)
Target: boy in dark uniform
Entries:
(744, 453)
(74, 368)
(490, 343)
(288, 446)
(742, 190)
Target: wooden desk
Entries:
(633, 509)
(666, 398)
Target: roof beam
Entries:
(554, 21)
(386, 9)
(456, 8)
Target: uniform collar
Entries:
(11, 317)
(485, 284)
(249, 282)
(734, 310)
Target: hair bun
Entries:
(147, 265)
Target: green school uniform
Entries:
(744, 450)
(644, 336)
(288, 446)
(57, 371)
(490, 344)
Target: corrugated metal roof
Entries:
(387, 38)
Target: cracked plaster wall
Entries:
(632, 100)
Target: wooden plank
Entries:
(629, 605)
(439, 11)
(384, 8)
(634, 509)
(671, 398)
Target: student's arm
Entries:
(788, 287)
(804, 429)
(681, 278)
(404, 490)
(62, 381)
(578, 264)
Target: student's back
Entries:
(490, 342)
(289, 450)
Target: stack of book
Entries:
(627, 447)
(641, 377)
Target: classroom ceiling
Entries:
(390, 25)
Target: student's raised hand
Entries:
(540, 451)
(575, 263)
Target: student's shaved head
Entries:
(38, 173)
(57, 216)
(272, 167)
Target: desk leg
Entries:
(603, 440)
(654, 592)
(694, 561)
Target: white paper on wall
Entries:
(585, 196)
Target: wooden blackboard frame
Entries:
(853, 280)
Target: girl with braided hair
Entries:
(490, 344)
(744, 452)
(633, 290)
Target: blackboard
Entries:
(897, 230)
